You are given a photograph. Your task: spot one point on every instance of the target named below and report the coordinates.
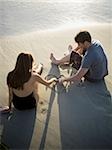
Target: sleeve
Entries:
(87, 61)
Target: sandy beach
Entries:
(54, 124)
(41, 44)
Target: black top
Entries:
(23, 103)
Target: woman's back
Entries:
(28, 87)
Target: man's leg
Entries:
(63, 60)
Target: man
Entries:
(93, 66)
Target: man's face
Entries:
(81, 46)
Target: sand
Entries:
(67, 118)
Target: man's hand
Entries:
(61, 80)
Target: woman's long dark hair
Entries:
(21, 72)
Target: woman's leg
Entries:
(63, 60)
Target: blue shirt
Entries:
(96, 61)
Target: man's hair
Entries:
(83, 36)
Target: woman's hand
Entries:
(52, 80)
(5, 109)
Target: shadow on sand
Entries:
(85, 118)
(18, 128)
(53, 72)
(85, 115)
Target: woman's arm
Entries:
(43, 81)
(76, 77)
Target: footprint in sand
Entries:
(44, 110)
(41, 102)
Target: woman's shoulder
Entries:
(34, 75)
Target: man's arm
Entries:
(76, 77)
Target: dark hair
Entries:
(82, 37)
(21, 72)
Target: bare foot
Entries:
(70, 48)
(53, 59)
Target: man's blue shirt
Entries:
(96, 61)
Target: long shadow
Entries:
(18, 128)
(53, 72)
(43, 139)
(85, 114)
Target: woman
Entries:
(22, 82)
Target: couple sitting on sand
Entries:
(88, 58)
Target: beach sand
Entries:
(65, 118)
